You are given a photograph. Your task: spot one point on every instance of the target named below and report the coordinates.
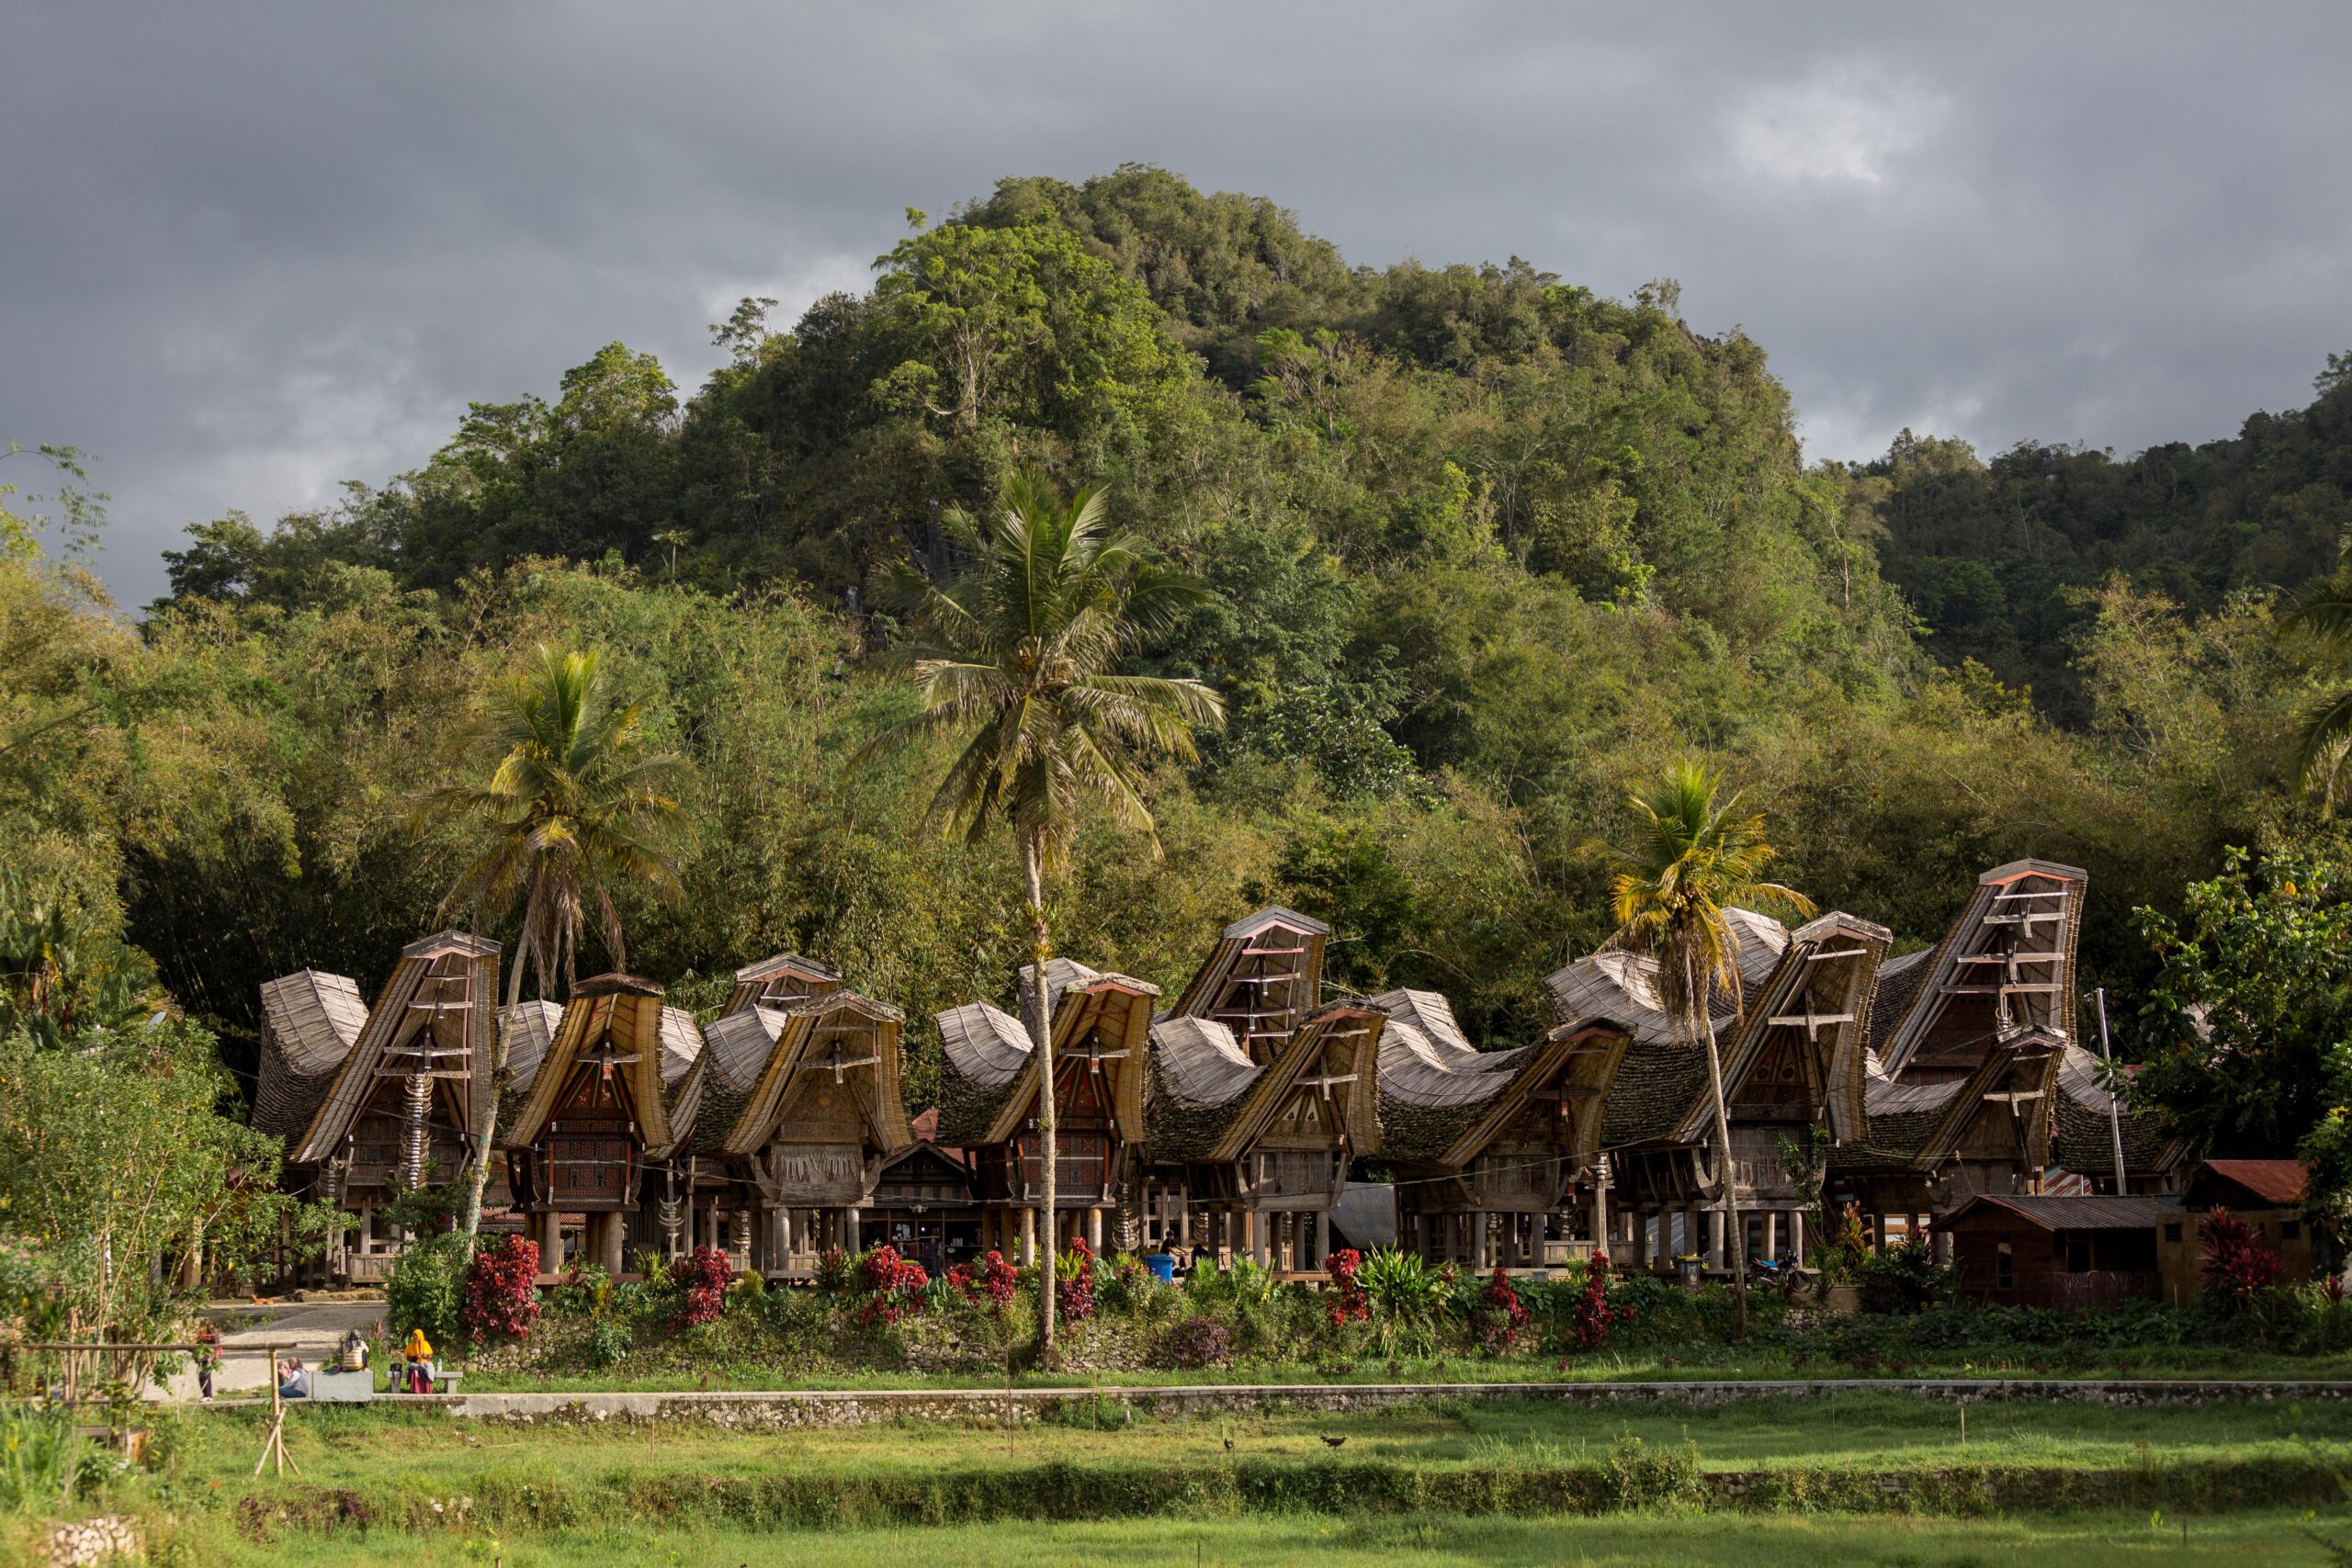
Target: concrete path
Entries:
(315, 1330)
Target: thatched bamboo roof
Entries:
(852, 1037)
(1659, 1075)
(438, 1011)
(1264, 976)
(784, 977)
(651, 1046)
(2012, 947)
(1817, 1000)
(983, 1050)
(1200, 1076)
(310, 1021)
(2083, 1139)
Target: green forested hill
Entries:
(1486, 549)
(1995, 557)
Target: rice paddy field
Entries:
(1867, 1477)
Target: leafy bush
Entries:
(705, 1278)
(582, 1289)
(1074, 1281)
(501, 1296)
(988, 1279)
(1407, 1299)
(836, 1272)
(41, 1459)
(609, 1339)
(1903, 1278)
(1199, 1340)
(427, 1288)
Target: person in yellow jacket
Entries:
(419, 1350)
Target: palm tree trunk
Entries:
(486, 1140)
(1040, 1019)
(1726, 1169)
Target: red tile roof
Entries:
(927, 1126)
(2279, 1181)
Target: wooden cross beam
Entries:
(840, 1064)
(1841, 953)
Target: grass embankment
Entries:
(1648, 1540)
(1456, 1481)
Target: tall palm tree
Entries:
(1016, 660)
(572, 808)
(2325, 733)
(1689, 857)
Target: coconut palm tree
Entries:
(2325, 739)
(1016, 660)
(1689, 857)
(571, 809)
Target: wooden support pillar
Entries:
(1796, 1238)
(1183, 1220)
(1716, 1257)
(1094, 1231)
(1323, 1239)
(1028, 1238)
(850, 1229)
(1772, 1234)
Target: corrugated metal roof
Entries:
(2080, 1213)
(2280, 1181)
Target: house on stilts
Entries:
(1494, 1155)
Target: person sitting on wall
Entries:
(419, 1350)
(295, 1380)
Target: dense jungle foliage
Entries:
(1486, 550)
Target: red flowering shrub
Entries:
(894, 1286)
(704, 1278)
(2237, 1263)
(990, 1279)
(835, 1271)
(1350, 1305)
(1499, 1316)
(502, 1299)
(1074, 1283)
(1593, 1316)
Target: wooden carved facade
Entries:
(600, 1100)
(1494, 1153)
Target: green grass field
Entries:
(1633, 1540)
(1863, 1429)
(1859, 1476)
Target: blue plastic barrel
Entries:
(1163, 1267)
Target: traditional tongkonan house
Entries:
(924, 1202)
(777, 982)
(310, 1021)
(600, 1099)
(1249, 1158)
(988, 1103)
(1662, 1174)
(412, 1093)
(1264, 976)
(1489, 1150)
(1967, 1039)
(2089, 1128)
(798, 1105)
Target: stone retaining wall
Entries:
(844, 1408)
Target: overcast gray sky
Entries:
(249, 250)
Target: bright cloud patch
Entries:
(1839, 126)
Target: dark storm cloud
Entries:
(250, 251)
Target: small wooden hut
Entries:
(2073, 1254)
(799, 1106)
(2269, 1195)
(924, 1203)
(412, 1094)
(601, 1099)
(1256, 1155)
(988, 1095)
(1490, 1150)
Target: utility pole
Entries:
(2114, 1100)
